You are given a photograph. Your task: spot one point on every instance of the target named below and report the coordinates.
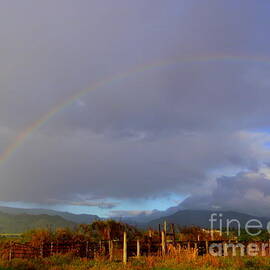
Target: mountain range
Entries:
(201, 218)
(17, 220)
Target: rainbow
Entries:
(24, 134)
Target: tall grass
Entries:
(186, 260)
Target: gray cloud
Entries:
(99, 204)
(169, 129)
(129, 213)
(245, 192)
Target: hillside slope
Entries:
(22, 222)
(77, 218)
(201, 218)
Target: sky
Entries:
(118, 107)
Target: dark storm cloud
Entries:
(245, 192)
(169, 129)
(121, 168)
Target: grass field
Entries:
(186, 261)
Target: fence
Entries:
(112, 250)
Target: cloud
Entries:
(247, 192)
(90, 165)
(129, 213)
(101, 205)
(170, 129)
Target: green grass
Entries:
(68, 262)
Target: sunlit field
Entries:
(186, 260)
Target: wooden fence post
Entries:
(206, 247)
(100, 248)
(225, 249)
(163, 243)
(165, 227)
(111, 249)
(10, 251)
(86, 249)
(41, 249)
(125, 248)
(138, 248)
(51, 253)
(174, 238)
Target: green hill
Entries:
(22, 222)
(77, 218)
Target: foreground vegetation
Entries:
(186, 260)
